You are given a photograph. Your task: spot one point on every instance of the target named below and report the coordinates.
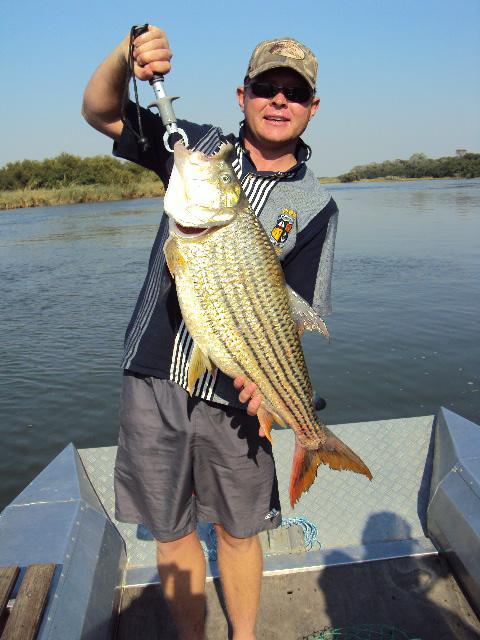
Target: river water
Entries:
(406, 296)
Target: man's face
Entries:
(275, 121)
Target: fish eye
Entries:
(225, 178)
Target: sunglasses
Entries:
(268, 90)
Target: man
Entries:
(180, 459)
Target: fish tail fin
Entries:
(332, 452)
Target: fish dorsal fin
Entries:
(224, 151)
(199, 363)
(305, 317)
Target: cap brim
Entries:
(268, 66)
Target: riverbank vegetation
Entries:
(69, 179)
(417, 166)
(75, 194)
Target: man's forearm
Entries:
(102, 100)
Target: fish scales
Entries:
(222, 279)
(226, 264)
(274, 350)
(237, 307)
(266, 297)
(264, 341)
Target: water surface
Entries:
(404, 328)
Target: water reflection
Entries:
(465, 205)
(74, 234)
(80, 222)
(421, 201)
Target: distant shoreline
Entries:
(386, 179)
(77, 194)
(70, 179)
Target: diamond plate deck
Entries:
(348, 509)
(350, 513)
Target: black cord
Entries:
(141, 139)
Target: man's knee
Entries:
(174, 547)
(226, 540)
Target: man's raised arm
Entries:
(102, 100)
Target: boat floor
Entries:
(374, 565)
(354, 517)
(417, 595)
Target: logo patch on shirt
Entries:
(271, 514)
(282, 228)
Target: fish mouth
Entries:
(191, 232)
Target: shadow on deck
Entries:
(416, 595)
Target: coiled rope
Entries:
(310, 536)
(310, 533)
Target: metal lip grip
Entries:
(163, 103)
(164, 106)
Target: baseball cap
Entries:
(283, 52)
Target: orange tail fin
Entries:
(332, 452)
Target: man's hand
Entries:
(249, 393)
(151, 53)
(103, 97)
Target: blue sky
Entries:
(395, 78)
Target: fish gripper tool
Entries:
(164, 104)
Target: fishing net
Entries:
(361, 632)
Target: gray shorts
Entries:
(183, 460)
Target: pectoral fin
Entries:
(305, 317)
(199, 363)
(173, 255)
(266, 419)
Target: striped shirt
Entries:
(297, 213)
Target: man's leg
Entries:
(181, 566)
(240, 561)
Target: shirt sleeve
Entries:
(308, 267)
(155, 157)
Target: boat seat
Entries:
(23, 619)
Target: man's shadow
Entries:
(145, 614)
(414, 594)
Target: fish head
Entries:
(203, 191)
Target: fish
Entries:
(242, 316)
